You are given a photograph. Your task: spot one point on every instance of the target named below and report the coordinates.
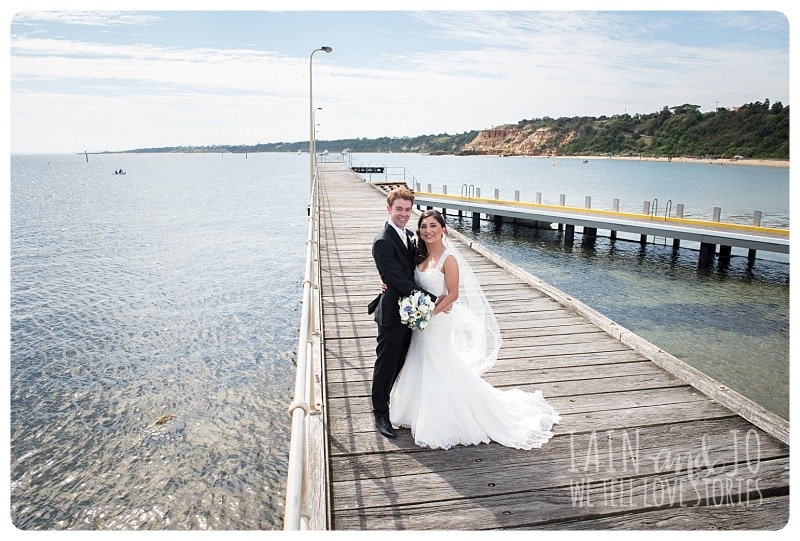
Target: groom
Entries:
(393, 250)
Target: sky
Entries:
(110, 76)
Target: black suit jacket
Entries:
(395, 265)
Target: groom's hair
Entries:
(400, 193)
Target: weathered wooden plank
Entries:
(350, 320)
(667, 501)
(618, 451)
(749, 513)
(354, 433)
(356, 302)
(596, 404)
(353, 391)
(589, 341)
(563, 473)
(594, 379)
(362, 357)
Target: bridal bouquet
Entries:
(416, 310)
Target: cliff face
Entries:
(508, 141)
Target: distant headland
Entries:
(752, 133)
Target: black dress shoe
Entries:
(385, 427)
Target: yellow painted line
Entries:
(684, 221)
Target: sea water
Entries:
(154, 318)
(154, 315)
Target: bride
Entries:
(439, 393)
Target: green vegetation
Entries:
(754, 130)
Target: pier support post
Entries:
(724, 251)
(516, 200)
(476, 216)
(569, 234)
(645, 210)
(707, 251)
(751, 253)
(615, 208)
(561, 201)
(444, 192)
(498, 220)
(537, 224)
(589, 233)
(676, 243)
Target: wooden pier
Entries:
(645, 441)
(709, 234)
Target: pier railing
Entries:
(382, 174)
(305, 479)
(708, 234)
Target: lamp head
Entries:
(326, 49)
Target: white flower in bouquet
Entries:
(416, 310)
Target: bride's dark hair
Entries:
(422, 248)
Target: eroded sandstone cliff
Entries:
(511, 141)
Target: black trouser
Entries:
(391, 351)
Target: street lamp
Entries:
(314, 123)
(311, 138)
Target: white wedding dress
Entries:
(440, 395)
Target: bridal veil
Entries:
(476, 334)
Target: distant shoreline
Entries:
(718, 161)
(715, 161)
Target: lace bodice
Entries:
(432, 280)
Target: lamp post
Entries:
(314, 123)
(311, 138)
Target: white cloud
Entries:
(86, 18)
(478, 69)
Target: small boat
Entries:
(120, 172)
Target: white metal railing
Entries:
(396, 174)
(305, 477)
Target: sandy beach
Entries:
(720, 162)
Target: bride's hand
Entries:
(446, 310)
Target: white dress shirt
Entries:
(401, 232)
